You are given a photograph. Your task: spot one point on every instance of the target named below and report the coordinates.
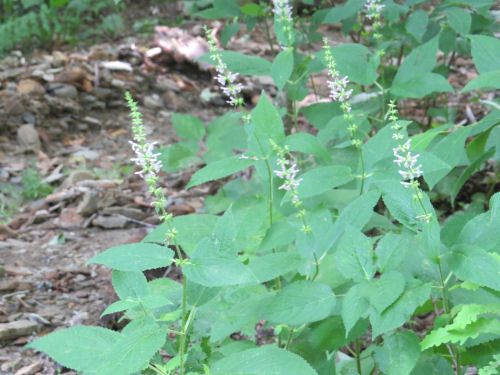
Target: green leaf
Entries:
(78, 348)
(282, 68)
(472, 263)
(399, 354)
(416, 24)
(355, 61)
(391, 250)
(192, 229)
(270, 266)
(230, 30)
(355, 256)
(239, 63)
(279, 234)
(265, 360)
(178, 156)
(482, 230)
(469, 171)
(488, 80)
(308, 144)
(444, 335)
(135, 257)
(219, 169)
(301, 302)
(343, 11)
(137, 343)
(459, 19)
(322, 179)
(382, 292)
(188, 126)
(485, 53)
(415, 78)
(267, 125)
(419, 86)
(354, 306)
(356, 214)
(215, 271)
(252, 9)
(130, 284)
(400, 311)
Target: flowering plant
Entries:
(343, 237)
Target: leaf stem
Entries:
(358, 356)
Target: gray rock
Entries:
(13, 330)
(86, 154)
(28, 137)
(30, 369)
(110, 222)
(133, 213)
(89, 203)
(153, 101)
(65, 91)
(75, 177)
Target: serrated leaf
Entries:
(130, 284)
(120, 305)
(444, 335)
(322, 179)
(239, 63)
(472, 263)
(301, 302)
(354, 306)
(137, 343)
(400, 311)
(230, 30)
(308, 144)
(416, 24)
(270, 266)
(265, 360)
(282, 68)
(78, 348)
(219, 169)
(267, 125)
(355, 256)
(382, 292)
(488, 80)
(135, 257)
(215, 271)
(188, 126)
(399, 354)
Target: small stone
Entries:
(14, 107)
(118, 83)
(75, 177)
(28, 137)
(153, 101)
(69, 218)
(65, 91)
(133, 213)
(86, 154)
(89, 204)
(30, 369)
(13, 330)
(110, 222)
(30, 87)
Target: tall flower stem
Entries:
(150, 167)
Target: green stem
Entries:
(183, 328)
(362, 159)
(358, 357)
(268, 36)
(271, 195)
(289, 339)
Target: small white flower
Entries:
(282, 10)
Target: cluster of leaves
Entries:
(350, 267)
(24, 21)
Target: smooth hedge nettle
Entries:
(225, 78)
(283, 11)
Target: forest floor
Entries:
(63, 114)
